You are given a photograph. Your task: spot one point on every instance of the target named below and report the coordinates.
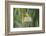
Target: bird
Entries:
(27, 18)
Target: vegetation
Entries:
(25, 17)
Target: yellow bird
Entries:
(27, 18)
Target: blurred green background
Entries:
(25, 17)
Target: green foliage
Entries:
(20, 13)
